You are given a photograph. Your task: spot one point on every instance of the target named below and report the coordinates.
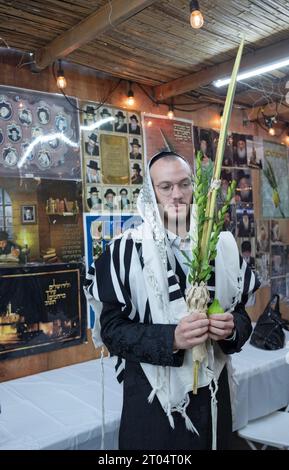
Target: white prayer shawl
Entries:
(171, 385)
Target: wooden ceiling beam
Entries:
(205, 76)
(88, 29)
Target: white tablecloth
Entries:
(61, 409)
(262, 382)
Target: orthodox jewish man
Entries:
(137, 289)
(91, 147)
(135, 153)
(108, 125)
(134, 127)
(93, 172)
(120, 125)
(94, 202)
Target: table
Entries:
(62, 409)
(262, 382)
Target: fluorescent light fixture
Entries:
(253, 72)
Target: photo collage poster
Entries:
(39, 135)
(264, 242)
(99, 230)
(113, 158)
(39, 147)
(41, 230)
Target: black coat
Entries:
(145, 426)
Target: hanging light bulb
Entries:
(61, 80)
(171, 113)
(130, 96)
(271, 131)
(196, 18)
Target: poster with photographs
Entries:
(275, 182)
(162, 134)
(99, 229)
(113, 157)
(240, 150)
(39, 135)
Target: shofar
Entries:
(197, 298)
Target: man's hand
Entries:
(221, 325)
(191, 330)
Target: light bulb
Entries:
(170, 114)
(271, 131)
(149, 124)
(287, 139)
(196, 19)
(130, 100)
(61, 82)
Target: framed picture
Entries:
(28, 214)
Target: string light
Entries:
(171, 113)
(196, 18)
(130, 96)
(61, 80)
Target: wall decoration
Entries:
(27, 120)
(255, 153)
(275, 182)
(99, 230)
(41, 309)
(161, 133)
(110, 151)
(263, 236)
(28, 214)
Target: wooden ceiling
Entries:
(152, 42)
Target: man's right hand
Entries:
(191, 330)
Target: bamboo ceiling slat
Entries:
(157, 44)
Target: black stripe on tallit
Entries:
(176, 294)
(147, 315)
(104, 280)
(127, 263)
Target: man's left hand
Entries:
(221, 326)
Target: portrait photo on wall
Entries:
(164, 134)
(106, 113)
(135, 149)
(243, 191)
(93, 171)
(136, 173)
(120, 124)
(41, 115)
(279, 232)
(247, 248)
(239, 150)
(255, 153)
(245, 221)
(28, 214)
(262, 236)
(41, 309)
(134, 124)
